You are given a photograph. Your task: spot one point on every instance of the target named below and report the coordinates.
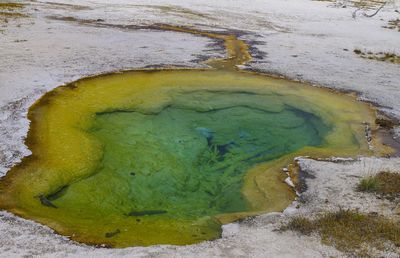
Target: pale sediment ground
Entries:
(333, 185)
(299, 39)
(254, 238)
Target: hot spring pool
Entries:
(168, 156)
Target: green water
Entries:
(186, 161)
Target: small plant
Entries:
(385, 184)
(369, 184)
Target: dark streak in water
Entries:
(113, 112)
(111, 234)
(45, 201)
(57, 194)
(148, 212)
(246, 93)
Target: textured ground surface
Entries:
(298, 39)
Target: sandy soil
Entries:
(299, 39)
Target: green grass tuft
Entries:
(385, 184)
(369, 184)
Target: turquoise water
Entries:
(188, 160)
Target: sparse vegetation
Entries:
(385, 184)
(368, 4)
(390, 183)
(10, 6)
(393, 24)
(12, 14)
(350, 231)
(380, 56)
(368, 184)
(10, 11)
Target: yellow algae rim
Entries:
(255, 180)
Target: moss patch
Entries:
(350, 231)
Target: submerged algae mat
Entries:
(140, 158)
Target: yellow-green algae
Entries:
(97, 143)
